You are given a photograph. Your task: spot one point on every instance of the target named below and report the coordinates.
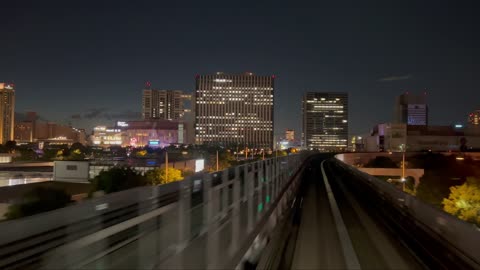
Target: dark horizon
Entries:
(86, 65)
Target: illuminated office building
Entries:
(234, 110)
(411, 110)
(162, 104)
(325, 121)
(7, 112)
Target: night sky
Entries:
(87, 65)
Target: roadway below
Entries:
(343, 236)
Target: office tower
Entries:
(290, 135)
(411, 110)
(325, 121)
(162, 104)
(7, 112)
(474, 118)
(234, 110)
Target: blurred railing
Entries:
(208, 220)
(459, 237)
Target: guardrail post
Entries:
(210, 222)
(245, 183)
(268, 182)
(224, 193)
(261, 206)
(184, 222)
(250, 192)
(236, 212)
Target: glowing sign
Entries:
(458, 126)
(154, 142)
(199, 165)
(122, 124)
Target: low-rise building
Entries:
(153, 133)
(400, 137)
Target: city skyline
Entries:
(307, 49)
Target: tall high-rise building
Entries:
(234, 110)
(411, 110)
(290, 135)
(7, 112)
(162, 104)
(325, 121)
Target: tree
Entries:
(78, 146)
(224, 161)
(464, 201)
(158, 176)
(76, 154)
(433, 188)
(28, 154)
(381, 162)
(117, 179)
(10, 146)
(38, 200)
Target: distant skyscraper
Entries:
(290, 135)
(7, 112)
(474, 118)
(411, 110)
(325, 121)
(162, 104)
(234, 109)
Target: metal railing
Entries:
(459, 237)
(208, 220)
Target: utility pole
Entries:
(217, 160)
(246, 153)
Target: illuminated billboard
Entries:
(154, 143)
(199, 165)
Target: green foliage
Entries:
(78, 146)
(38, 200)
(158, 176)
(76, 154)
(441, 173)
(27, 154)
(117, 179)
(10, 146)
(464, 201)
(49, 154)
(225, 160)
(434, 188)
(381, 162)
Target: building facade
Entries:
(234, 110)
(474, 118)
(33, 130)
(325, 121)
(411, 110)
(162, 104)
(152, 133)
(290, 135)
(401, 137)
(7, 112)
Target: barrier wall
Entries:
(462, 237)
(204, 221)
